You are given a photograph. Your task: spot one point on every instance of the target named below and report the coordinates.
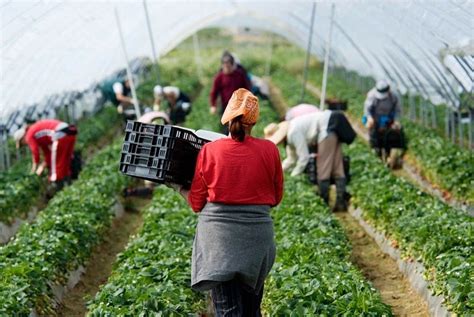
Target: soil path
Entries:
(276, 98)
(382, 271)
(103, 257)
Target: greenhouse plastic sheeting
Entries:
(48, 47)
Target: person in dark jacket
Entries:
(179, 104)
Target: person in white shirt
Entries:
(158, 94)
(319, 128)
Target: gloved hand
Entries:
(370, 123)
(396, 125)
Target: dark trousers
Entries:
(233, 299)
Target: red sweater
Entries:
(237, 173)
(39, 135)
(225, 84)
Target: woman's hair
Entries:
(237, 129)
(227, 57)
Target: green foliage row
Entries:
(426, 229)
(152, 276)
(312, 274)
(441, 161)
(20, 190)
(61, 239)
(440, 236)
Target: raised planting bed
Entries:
(423, 227)
(313, 274)
(153, 274)
(43, 255)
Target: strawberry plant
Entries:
(312, 274)
(42, 254)
(425, 228)
(152, 276)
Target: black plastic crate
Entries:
(160, 153)
(336, 104)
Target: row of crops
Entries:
(443, 163)
(312, 273)
(62, 237)
(153, 274)
(426, 229)
(439, 160)
(20, 190)
(44, 253)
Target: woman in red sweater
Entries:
(236, 182)
(228, 79)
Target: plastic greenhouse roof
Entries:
(48, 47)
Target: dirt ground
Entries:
(382, 271)
(103, 257)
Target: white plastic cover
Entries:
(48, 47)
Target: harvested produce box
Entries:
(162, 153)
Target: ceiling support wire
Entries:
(268, 64)
(19, 15)
(197, 56)
(305, 26)
(27, 27)
(434, 67)
(326, 59)
(410, 88)
(465, 67)
(129, 72)
(308, 52)
(152, 42)
(46, 73)
(422, 72)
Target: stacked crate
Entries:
(160, 153)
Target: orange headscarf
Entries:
(244, 103)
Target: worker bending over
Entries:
(326, 129)
(56, 140)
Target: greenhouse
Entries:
(236, 158)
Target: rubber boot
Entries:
(143, 192)
(137, 192)
(324, 190)
(341, 202)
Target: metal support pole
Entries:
(423, 112)
(308, 52)
(446, 122)
(453, 127)
(197, 56)
(3, 148)
(326, 59)
(460, 139)
(129, 72)
(434, 123)
(268, 65)
(470, 129)
(152, 41)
